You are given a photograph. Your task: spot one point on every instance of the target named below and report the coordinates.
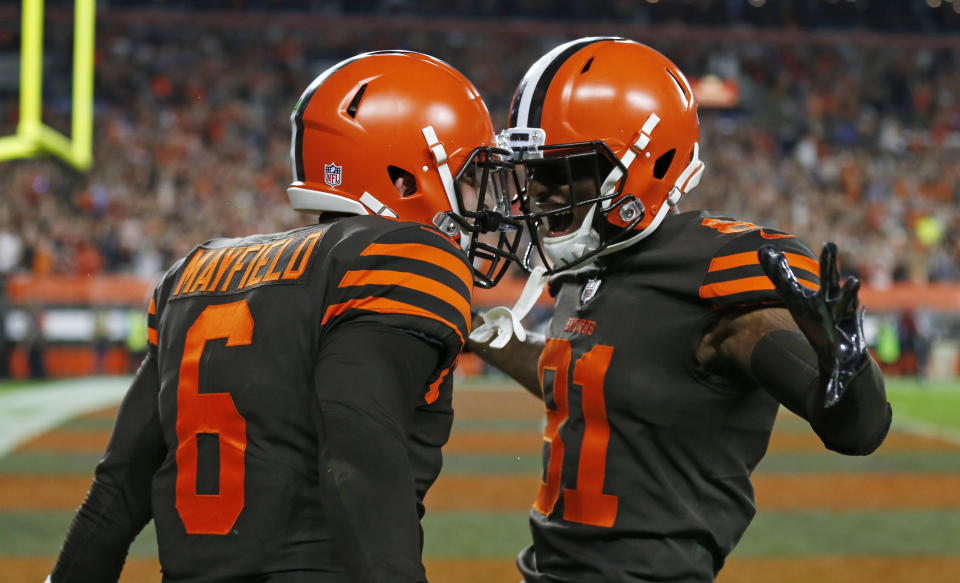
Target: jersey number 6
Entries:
(211, 413)
(586, 504)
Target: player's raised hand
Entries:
(829, 318)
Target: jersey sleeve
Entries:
(153, 319)
(118, 504)
(370, 473)
(734, 276)
(152, 337)
(411, 278)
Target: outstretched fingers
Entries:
(775, 265)
(829, 276)
(848, 302)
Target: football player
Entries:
(288, 418)
(675, 336)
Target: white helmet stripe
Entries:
(532, 79)
(688, 180)
(538, 78)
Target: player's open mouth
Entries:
(559, 224)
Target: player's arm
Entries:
(836, 386)
(118, 503)
(498, 337)
(369, 379)
(518, 359)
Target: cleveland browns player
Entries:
(288, 419)
(675, 336)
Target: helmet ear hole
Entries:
(662, 165)
(403, 181)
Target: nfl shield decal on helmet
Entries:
(589, 290)
(332, 174)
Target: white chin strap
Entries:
(630, 155)
(446, 177)
(500, 324)
(687, 181)
(568, 248)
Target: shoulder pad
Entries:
(410, 276)
(734, 275)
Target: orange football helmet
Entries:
(618, 112)
(405, 136)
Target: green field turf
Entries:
(500, 534)
(6, 386)
(477, 535)
(772, 534)
(471, 535)
(935, 405)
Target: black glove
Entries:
(828, 318)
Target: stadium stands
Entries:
(851, 136)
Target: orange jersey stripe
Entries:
(743, 285)
(421, 252)
(152, 336)
(803, 262)
(732, 261)
(386, 306)
(152, 310)
(434, 391)
(750, 258)
(410, 281)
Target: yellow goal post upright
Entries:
(33, 137)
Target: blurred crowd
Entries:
(886, 15)
(850, 142)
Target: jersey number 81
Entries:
(585, 504)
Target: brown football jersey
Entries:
(222, 435)
(647, 456)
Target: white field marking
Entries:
(924, 429)
(28, 412)
(901, 424)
